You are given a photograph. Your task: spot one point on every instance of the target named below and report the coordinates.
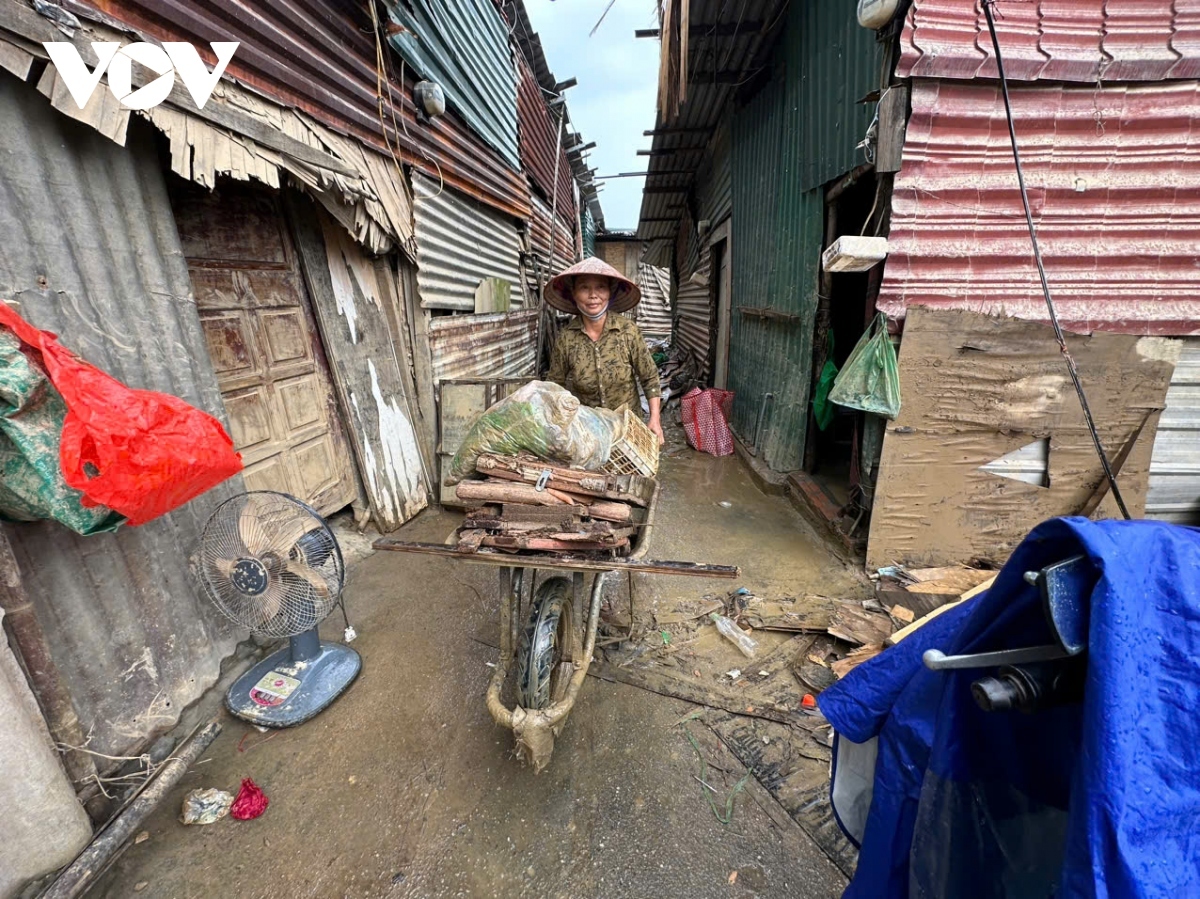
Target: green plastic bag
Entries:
(870, 379)
(822, 408)
(32, 487)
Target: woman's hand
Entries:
(655, 423)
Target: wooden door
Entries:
(264, 346)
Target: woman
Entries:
(601, 356)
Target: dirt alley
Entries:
(406, 788)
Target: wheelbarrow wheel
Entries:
(547, 647)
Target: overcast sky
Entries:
(618, 79)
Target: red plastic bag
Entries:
(137, 452)
(706, 420)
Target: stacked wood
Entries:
(524, 503)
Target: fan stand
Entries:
(292, 685)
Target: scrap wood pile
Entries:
(526, 503)
(850, 633)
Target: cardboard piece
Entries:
(977, 387)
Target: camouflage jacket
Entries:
(604, 373)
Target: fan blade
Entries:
(306, 573)
(251, 527)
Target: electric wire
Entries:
(1037, 256)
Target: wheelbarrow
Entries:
(538, 630)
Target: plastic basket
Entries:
(636, 452)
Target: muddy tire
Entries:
(547, 646)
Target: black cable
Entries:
(1037, 256)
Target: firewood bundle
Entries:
(525, 503)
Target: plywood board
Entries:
(976, 387)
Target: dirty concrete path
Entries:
(406, 788)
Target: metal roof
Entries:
(728, 45)
(1114, 180)
(1053, 40)
(463, 46)
(319, 56)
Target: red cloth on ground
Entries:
(250, 802)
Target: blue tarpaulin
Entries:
(1099, 799)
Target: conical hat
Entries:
(559, 292)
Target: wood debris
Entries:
(842, 667)
(523, 503)
(854, 624)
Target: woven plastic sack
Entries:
(32, 487)
(870, 379)
(544, 419)
(706, 420)
(136, 452)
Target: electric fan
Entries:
(272, 564)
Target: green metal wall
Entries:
(798, 132)
(589, 233)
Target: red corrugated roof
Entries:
(1054, 40)
(1114, 181)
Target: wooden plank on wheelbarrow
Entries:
(561, 562)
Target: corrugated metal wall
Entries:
(589, 233)
(832, 62)
(463, 46)
(540, 236)
(1174, 493)
(797, 133)
(459, 243)
(483, 346)
(542, 152)
(694, 313)
(714, 181)
(91, 252)
(654, 311)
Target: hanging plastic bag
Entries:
(822, 407)
(706, 416)
(136, 452)
(870, 379)
(32, 487)
(544, 419)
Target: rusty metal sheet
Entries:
(542, 154)
(1114, 181)
(497, 345)
(321, 58)
(1053, 40)
(134, 639)
(540, 266)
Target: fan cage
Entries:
(295, 550)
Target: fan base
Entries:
(280, 692)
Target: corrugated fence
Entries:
(459, 243)
(91, 252)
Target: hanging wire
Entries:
(1037, 256)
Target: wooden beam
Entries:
(560, 562)
(656, 131)
(721, 29)
(564, 85)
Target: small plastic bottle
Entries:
(735, 634)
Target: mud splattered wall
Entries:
(976, 388)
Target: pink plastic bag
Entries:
(706, 420)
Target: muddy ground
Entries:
(406, 788)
